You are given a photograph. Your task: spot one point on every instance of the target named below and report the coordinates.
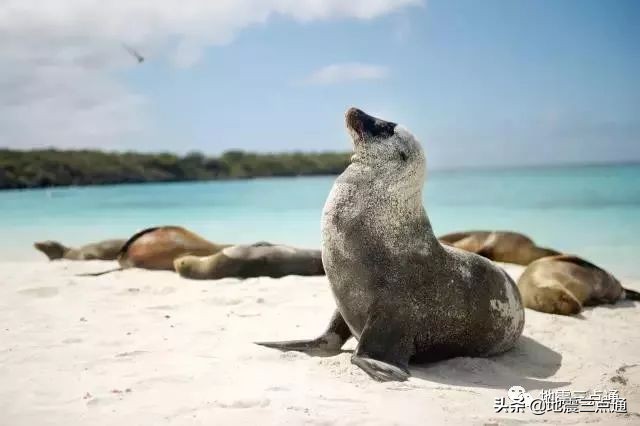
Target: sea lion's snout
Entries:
(363, 126)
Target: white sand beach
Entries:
(149, 348)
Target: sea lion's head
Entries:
(53, 249)
(388, 149)
(557, 300)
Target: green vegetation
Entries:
(43, 168)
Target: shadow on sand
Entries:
(624, 304)
(524, 365)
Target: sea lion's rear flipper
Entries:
(97, 274)
(332, 339)
(384, 348)
(320, 344)
(631, 294)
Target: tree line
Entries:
(51, 167)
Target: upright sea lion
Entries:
(500, 246)
(256, 260)
(157, 248)
(401, 293)
(102, 250)
(564, 284)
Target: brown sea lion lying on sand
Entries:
(256, 260)
(157, 248)
(500, 246)
(174, 247)
(564, 284)
(102, 250)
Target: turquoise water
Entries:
(590, 211)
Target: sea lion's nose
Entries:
(353, 116)
(358, 120)
(366, 125)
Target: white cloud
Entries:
(58, 57)
(342, 73)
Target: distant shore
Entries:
(56, 168)
(51, 168)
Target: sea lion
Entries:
(257, 260)
(500, 246)
(399, 292)
(158, 247)
(564, 284)
(102, 250)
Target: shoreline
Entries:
(443, 171)
(167, 182)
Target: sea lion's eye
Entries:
(403, 155)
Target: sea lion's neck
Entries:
(71, 253)
(406, 216)
(396, 210)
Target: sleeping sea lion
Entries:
(102, 250)
(157, 248)
(256, 260)
(564, 284)
(500, 246)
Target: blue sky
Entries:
(489, 83)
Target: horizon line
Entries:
(445, 169)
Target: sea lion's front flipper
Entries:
(97, 274)
(385, 348)
(331, 340)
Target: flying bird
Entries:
(133, 52)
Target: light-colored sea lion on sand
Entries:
(157, 248)
(564, 284)
(256, 260)
(102, 250)
(500, 246)
(401, 293)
